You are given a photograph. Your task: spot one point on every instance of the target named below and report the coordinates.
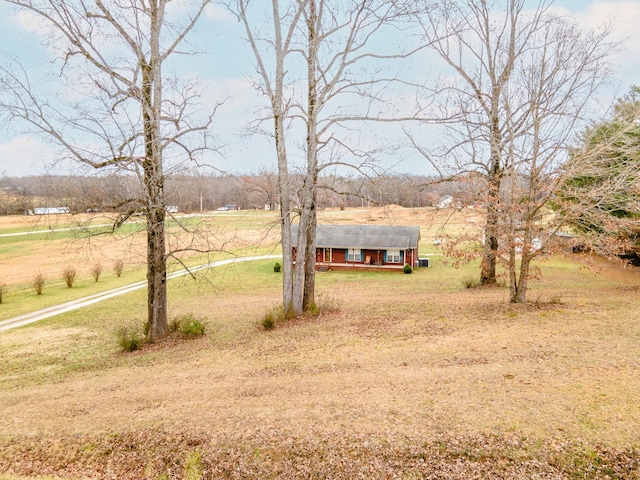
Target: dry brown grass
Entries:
(414, 377)
(22, 257)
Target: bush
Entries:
(192, 328)
(69, 276)
(268, 322)
(187, 326)
(277, 267)
(118, 267)
(38, 283)
(128, 340)
(96, 270)
(407, 268)
(2, 285)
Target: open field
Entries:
(401, 376)
(23, 257)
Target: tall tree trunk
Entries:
(285, 218)
(490, 253)
(312, 161)
(309, 298)
(151, 101)
(156, 274)
(519, 294)
(301, 257)
(494, 180)
(279, 115)
(513, 273)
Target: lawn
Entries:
(400, 376)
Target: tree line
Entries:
(204, 193)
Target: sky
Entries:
(226, 66)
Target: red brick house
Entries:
(364, 246)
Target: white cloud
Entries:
(624, 18)
(218, 13)
(24, 156)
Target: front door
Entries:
(327, 255)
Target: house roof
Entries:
(374, 237)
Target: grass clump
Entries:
(194, 468)
(128, 340)
(69, 275)
(274, 316)
(268, 322)
(2, 287)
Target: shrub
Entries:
(146, 328)
(2, 285)
(187, 326)
(69, 276)
(277, 267)
(118, 267)
(128, 340)
(407, 268)
(268, 322)
(96, 270)
(192, 328)
(38, 283)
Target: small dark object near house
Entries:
(276, 267)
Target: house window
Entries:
(353, 255)
(393, 256)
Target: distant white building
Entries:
(49, 211)
(445, 201)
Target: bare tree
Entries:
(275, 48)
(121, 111)
(522, 82)
(332, 62)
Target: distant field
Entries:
(402, 376)
(23, 257)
